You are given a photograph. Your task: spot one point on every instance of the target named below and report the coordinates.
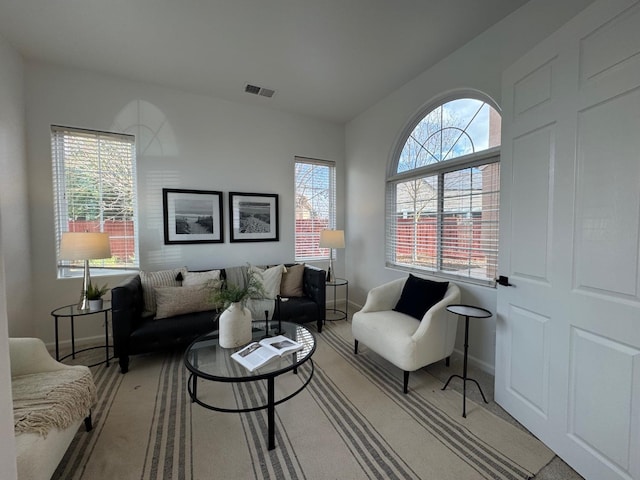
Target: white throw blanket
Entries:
(42, 401)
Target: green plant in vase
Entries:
(94, 295)
(234, 323)
(229, 294)
(95, 292)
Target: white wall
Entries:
(13, 194)
(14, 240)
(371, 137)
(184, 141)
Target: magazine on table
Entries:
(257, 354)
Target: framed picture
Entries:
(192, 216)
(253, 217)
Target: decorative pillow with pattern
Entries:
(200, 278)
(291, 284)
(270, 279)
(172, 301)
(160, 278)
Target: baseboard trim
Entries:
(482, 365)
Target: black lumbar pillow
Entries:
(419, 295)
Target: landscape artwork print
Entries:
(192, 216)
(253, 217)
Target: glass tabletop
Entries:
(207, 359)
(74, 311)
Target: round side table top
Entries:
(469, 311)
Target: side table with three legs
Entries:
(467, 311)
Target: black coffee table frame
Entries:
(192, 382)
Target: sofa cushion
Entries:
(291, 284)
(178, 330)
(160, 278)
(419, 295)
(172, 301)
(270, 279)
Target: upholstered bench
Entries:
(50, 402)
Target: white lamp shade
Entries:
(84, 246)
(331, 239)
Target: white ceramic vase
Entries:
(95, 304)
(235, 326)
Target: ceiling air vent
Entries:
(255, 90)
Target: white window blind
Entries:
(315, 208)
(94, 188)
(446, 222)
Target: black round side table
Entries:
(337, 313)
(72, 311)
(467, 311)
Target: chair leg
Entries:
(406, 382)
(88, 424)
(355, 347)
(447, 361)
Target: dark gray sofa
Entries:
(135, 332)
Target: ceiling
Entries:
(329, 59)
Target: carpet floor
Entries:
(351, 422)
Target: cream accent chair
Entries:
(406, 342)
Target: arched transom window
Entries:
(443, 192)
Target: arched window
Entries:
(443, 192)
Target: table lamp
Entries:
(331, 239)
(84, 246)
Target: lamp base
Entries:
(84, 300)
(330, 275)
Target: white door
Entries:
(568, 327)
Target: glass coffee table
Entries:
(207, 360)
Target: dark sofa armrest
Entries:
(313, 284)
(126, 313)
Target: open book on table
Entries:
(256, 354)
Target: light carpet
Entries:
(351, 422)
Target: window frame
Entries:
(323, 253)
(73, 269)
(393, 178)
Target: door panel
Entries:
(529, 359)
(531, 220)
(568, 331)
(593, 389)
(608, 197)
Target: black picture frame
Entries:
(192, 216)
(253, 217)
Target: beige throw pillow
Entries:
(160, 278)
(171, 301)
(291, 284)
(270, 279)
(200, 278)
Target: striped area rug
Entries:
(351, 422)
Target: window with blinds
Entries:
(315, 207)
(94, 179)
(443, 194)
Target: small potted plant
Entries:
(94, 295)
